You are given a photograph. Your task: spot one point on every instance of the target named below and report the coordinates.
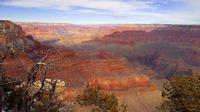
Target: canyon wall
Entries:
(128, 60)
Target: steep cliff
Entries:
(11, 35)
(12, 44)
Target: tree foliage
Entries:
(102, 102)
(181, 94)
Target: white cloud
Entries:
(135, 10)
(114, 6)
(88, 11)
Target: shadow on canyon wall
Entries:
(167, 51)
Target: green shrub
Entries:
(95, 97)
(181, 94)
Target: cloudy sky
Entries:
(102, 11)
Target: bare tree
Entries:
(30, 99)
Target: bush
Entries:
(95, 97)
(181, 94)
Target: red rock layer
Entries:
(123, 84)
(76, 71)
(64, 34)
(17, 65)
(12, 42)
(68, 34)
(174, 34)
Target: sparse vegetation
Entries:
(181, 94)
(100, 101)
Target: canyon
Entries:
(130, 61)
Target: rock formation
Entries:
(122, 84)
(12, 41)
(127, 60)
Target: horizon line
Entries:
(33, 22)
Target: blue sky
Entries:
(102, 11)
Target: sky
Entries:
(102, 11)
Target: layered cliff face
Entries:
(12, 44)
(77, 69)
(68, 34)
(69, 64)
(11, 36)
(35, 50)
(115, 76)
(18, 51)
(171, 33)
(17, 65)
(122, 84)
(162, 52)
(123, 59)
(101, 65)
(64, 34)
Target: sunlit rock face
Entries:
(59, 84)
(21, 51)
(11, 36)
(122, 84)
(16, 63)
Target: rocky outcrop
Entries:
(12, 45)
(59, 88)
(11, 36)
